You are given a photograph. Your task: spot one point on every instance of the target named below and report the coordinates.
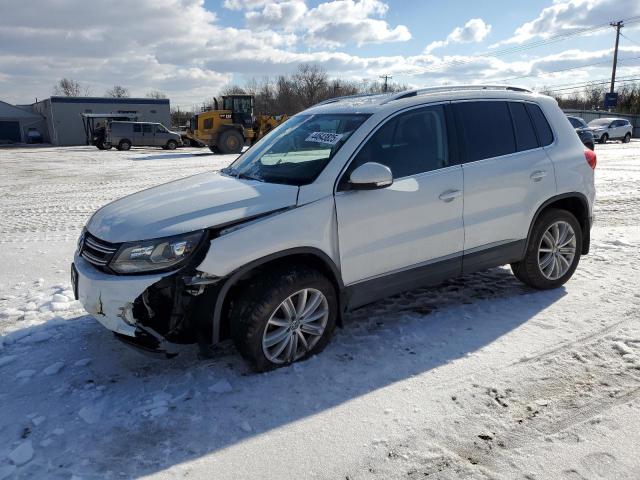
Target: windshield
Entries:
(599, 122)
(297, 151)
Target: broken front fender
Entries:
(110, 298)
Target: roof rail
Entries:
(449, 88)
(346, 97)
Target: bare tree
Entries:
(117, 91)
(157, 94)
(67, 87)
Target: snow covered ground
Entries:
(478, 378)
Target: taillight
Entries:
(591, 158)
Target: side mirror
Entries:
(370, 176)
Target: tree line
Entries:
(591, 97)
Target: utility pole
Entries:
(618, 25)
(386, 79)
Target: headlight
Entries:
(158, 254)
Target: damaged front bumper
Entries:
(136, 307)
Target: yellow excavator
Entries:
(227, 129)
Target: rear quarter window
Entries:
(525, 134)
(486, 129)
(545, 134)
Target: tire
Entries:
(261, 302)
(100, 146)
(529, 270)
(627, 138)
(124, 145)
(603, 138)
(172, 145)
(186, 142)
(230, 141)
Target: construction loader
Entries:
(228, 129)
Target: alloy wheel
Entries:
(557, 250)
(295, 326)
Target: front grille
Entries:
(98, 252)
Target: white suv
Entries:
(350, 201)
(605, 129)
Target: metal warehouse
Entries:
(15, 123)
(63, 119)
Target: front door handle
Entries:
(538, 175)
(450, 195)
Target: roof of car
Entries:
(373, 103)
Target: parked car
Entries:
(583, 131)
(124, 135)
(34, 135)
(605, 129)
(350, 201)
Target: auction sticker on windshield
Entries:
(324, 137)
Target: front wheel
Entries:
(604, 138)
(627, 138)
(172, 145)
(283, 317)
(231, 141)
(553, 251)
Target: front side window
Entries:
(208, 123)
(487, 130)
(409, 144)
(146, 128)
(160, 129)
(296, 152)
(137, 128)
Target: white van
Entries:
(350, 201)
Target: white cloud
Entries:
(565, 16)
(330, 24)
(475, 30)
(190, 56)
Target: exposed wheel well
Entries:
(577, 205)
(244, 279)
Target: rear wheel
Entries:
(124, 145)
(553, 251)
(285, 316)
(172, 145)
(231, 142)
(627, 138)
(604, 138)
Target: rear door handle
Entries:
(449, 195)
(538, 175)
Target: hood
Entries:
(192, 203)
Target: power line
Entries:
(526, 46)
(534, 75)
(630, 39)
(580, 87)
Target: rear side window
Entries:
(545, 135)
(525, 134)
(575, 122)
(136, 127)
(487, 130)
(409, 144)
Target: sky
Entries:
(191, 49)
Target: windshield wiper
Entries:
(235, 173)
